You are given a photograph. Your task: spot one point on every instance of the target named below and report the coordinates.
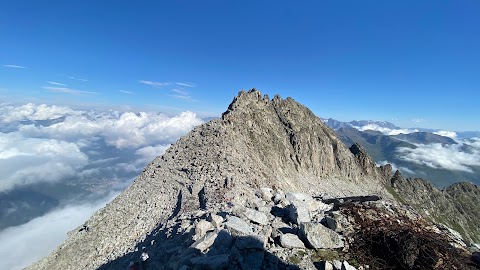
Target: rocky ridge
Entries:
(214, 184)
(456, 206)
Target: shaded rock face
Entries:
(258, 142)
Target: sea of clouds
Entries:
(385, 130)
(56, 144)
(462, 156)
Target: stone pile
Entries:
(272, 230)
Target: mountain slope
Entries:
(456, 206)
(380, 147)
(258, 142)
(386, 148)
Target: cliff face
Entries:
(258, 142)
(456, 206)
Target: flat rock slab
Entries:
(290, 240)
(299, 213)
(256, 216)
(250, 242)
(205, 242)
(238, 226)
(319, 236)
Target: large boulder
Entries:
(299, 213)
(319, 236)
(290, 240)
(205, 242)
(202, 228)
(257, 216)
(238, 226)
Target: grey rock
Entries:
(319, 236)
(211, 262)
(278, 223)
(299, 213)
(252, 260)
(216, 220)
(265, 209)
(202, 228)
(337, 264)
(289, 240)
(238, 226)
(257, 216)
(297, 196)
(250, 242)
(332, 224)
(326, 265)
(347, 266)
(205, 242)
(279, 196)
(223, 242)
(306, 200)
(265, 194)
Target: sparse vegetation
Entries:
(386, 242)
(395, 194)
(325, 255)
(295, 260)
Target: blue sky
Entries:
(414, 63)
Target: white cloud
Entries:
(450, 134)
(80, 142)
(184, 97)
(125, 92)
(30, 111)
(148, 153)
(450, 157)
(385, 130)
(180, 91)
(126, 130)
(186, 84)
(23, 245)
(154, 84)
(474, 142)
(68, 90)
(78, 79)
(93, 150)
(31, 160)
(14, 66)
(57, 83)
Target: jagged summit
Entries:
(258, 142)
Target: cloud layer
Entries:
(67, 143)
(22, 245)
(93, 151)
(385, 130)
(457, 157)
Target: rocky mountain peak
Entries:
(259, 148)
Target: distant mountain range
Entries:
(385, 148)
(335, 124)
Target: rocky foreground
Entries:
(267, 186)
(278, 230)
